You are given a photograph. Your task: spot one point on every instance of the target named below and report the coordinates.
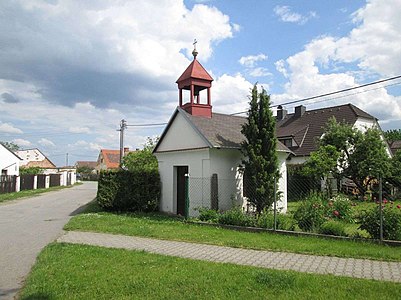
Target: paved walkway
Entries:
(359, 268)
(27, 225)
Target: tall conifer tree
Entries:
(259, 150)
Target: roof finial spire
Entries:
(195, 53)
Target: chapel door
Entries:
(181, 171)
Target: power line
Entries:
(146, 125)
(335, 92)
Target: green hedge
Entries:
(129, 191)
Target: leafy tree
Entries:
(142, 159)
(361, 156)
(85, 170)
(321, 164)
(259, 150)
(11, 146)
(393, 135)
(30, 170)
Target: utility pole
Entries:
(66, 159)
(123, 126)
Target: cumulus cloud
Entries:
(77, 129)
(368, 51)
(259, 72)
(22, 142)
(8, 98)
(104, 52)
(46, 143)
(251, 60)
(286, 15)
(9, 128)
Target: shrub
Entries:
(129, 191)
(340, 208)
(284, 222)
(235, 216)
(310, 215)
(369, 220)
(333, 228)
(208, 215)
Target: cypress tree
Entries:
(259, 149)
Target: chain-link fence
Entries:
(334, 206)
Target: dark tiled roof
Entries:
(223, 131)
(310, 126)
(89, 164)
(395, 146)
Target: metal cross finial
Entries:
(195, 53)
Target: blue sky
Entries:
(71, 70)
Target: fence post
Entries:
(275, 204)
(381, 207)
(214, 192)
(186, 196)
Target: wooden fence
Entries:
(7, 183)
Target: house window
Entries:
(287, 142)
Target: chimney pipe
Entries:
(281, 113)
(300, 110)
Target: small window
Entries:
(287, 142)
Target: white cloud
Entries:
(22, 142)
(230, 94)
(286, 15)
(9, 128)
(259, 72)
(46, 143)
(77, 129)
(251, 60)
(371, 48)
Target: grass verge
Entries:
(31, 193)
(172, 228)
(66, 271)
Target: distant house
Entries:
(9, 161)
(109, 159)
(395, 146)
(88, 164)
(34, 158)
(300, 131)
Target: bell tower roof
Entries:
(195, 79)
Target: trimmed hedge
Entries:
(129, 191)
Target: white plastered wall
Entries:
(8, 162)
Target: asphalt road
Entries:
(27, 225)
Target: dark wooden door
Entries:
(181, 171)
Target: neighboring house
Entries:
(395, 146)
(204, 145)
(109, 159)
(301, 130)
(9, 161)
(34, 158)
(88, 164)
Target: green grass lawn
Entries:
(66, 271)
(31, 193)
(172, 228)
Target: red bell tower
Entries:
(195, 79)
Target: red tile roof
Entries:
(195, 70)
(111, 158)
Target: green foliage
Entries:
(141, 160)
(310, 215)
(11, 146)
(208, 215)
(235, 216)
(396, 167)
(85, 170)
(333, 228)
(129, 190)
(358, 155)
(30, 170)
(340, 208)
(259, 149)
(283, 221)
(369, 220)
(393, 135)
